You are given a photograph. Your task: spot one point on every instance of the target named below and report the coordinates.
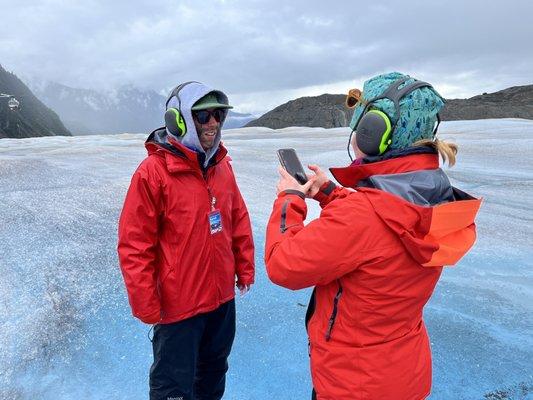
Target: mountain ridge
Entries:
(33, 117)
(329, 110)
(125, 109)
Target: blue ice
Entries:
(66, 331)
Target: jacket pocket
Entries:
(161, 281)
(333, 316)
(165, 275)
(308, 315)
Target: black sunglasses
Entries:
(203, 116)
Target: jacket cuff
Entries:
(249, 281)
(292, 191)
(325, 190)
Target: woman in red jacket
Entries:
(375, 253)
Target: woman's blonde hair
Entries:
(447, 151)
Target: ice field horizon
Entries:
(66, 330)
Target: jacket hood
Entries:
(396, 161)
(175, 152)
(161, 139)
(415, 200)
(187, 96)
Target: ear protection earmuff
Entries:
(374, 133)
(174, 121)
(374, 129)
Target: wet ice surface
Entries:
(65, 327)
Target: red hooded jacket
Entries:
(375, 256)
(173, 267)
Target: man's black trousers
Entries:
(191, 356)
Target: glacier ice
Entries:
(65, 326)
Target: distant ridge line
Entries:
(329, 111)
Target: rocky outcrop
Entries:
(329, 111)
(33, 118)
(326, 111)
(514, 102)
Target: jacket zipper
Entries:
(308, 315)
(334, 312)
(212, 201)
(283, 226)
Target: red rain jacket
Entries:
(173, 267)
(375, 259)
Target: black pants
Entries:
(191, 356)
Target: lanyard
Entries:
(212, 199)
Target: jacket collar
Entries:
(403, 162)
(178, 157)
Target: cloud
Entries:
(264, 51)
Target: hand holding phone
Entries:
(290, 162)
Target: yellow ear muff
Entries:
(175, 123)
(373, 133)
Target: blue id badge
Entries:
(215, 222)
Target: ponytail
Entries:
(446, 150)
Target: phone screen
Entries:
(289, 160)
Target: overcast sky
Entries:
(264, 53)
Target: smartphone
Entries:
(289, 160)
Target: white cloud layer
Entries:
(263, 53)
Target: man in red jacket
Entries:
(184, 242)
